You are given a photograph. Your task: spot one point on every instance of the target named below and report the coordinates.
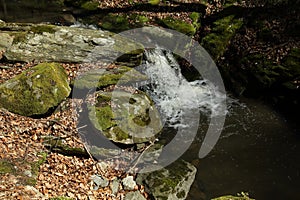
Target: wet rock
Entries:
(134, 195)
(170, 183)
(36, 90)
(134, 120)
(128, 183)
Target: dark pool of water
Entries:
(258, 153)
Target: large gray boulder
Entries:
(36, 90)
(43, 42)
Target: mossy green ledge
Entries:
(101, 78)
(36, 90)
(43, 42)
(222, 32)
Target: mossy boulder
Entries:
(242, 196)
(222, 32)
(36, 90)
(115, 22)
(126, 118)
(90, 5)
(179, 25)
(171, 183)
(104, 77)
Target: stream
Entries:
(258, 151)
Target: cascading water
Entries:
(173, 94)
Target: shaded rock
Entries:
(170, 183)
(241, 196)
(115, 22)
(128, 183)
(180, 25)
(36, 90)
(222, 32)
(44, 42)
(134, 120)
(134, 195)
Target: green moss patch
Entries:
(90, 5)
(102, 78)
(6, 167)
(222, 32)
(115, 22)
(43, 29)
(179, 25)
(36, 90)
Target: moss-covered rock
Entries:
(179, 25)
(90, 5)
(242, 196)
(6, 167)
(115, 22)
(222, 32)
(105, 77)
(36, 90)
(171, 183)
(134, 119)
(138, 20)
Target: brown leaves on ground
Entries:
(21, 141)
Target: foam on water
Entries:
(173, 94)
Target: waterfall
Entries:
(173, 94)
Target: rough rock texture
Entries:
(170, 183)
(241, 196)
(104, 77)
(134, 120)
(42, 42)
(222, 32)
(36, 90)
(128, 183)
(134, 195)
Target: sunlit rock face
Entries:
(36, 90)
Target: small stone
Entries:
(129, 183)
(134, 195)
(28, 173)
(103, 166)
(99, 181)
(114, 186)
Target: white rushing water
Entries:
(173, 94)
